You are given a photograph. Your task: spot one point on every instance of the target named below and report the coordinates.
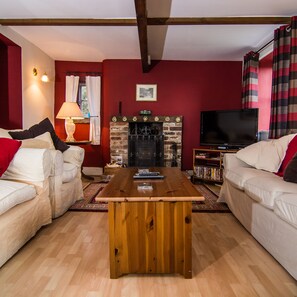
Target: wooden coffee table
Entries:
(150, 231)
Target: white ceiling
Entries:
(187, 42)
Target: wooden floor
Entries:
(69, 258)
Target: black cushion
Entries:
(38, 129)
(290, 174)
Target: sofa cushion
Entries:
(4, 133)
(69, 172)
(238, 176)
(8, 148)
(14, 193)
(35, 143)
(42, 141)
(290, 174)
(29, 164)
(38, 129)
(286, 208)
(265, 189)
(291, 151)
(266, 155)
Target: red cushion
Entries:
(291, 151)
(8, 148)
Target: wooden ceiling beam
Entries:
(149, 21)
(141, 15)
(220, 21)
(68, 22)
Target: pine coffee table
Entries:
(150, 222)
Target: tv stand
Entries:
(208, 164)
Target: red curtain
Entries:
(250, 80)
(284, 81)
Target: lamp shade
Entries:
(70, 110)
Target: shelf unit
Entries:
(208, 164)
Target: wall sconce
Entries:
(44, 77)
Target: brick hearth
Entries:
(172, 130)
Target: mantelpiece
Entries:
(172, 131)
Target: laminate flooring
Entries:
(69, 258)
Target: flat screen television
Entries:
(229, 128)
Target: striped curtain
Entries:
(284, 81)
(250, 80)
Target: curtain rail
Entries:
(83, 72)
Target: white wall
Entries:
(38, 97)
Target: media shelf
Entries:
(208, 164)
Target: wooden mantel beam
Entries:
(150, 21)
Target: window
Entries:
(82, 99)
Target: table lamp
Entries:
(70, 111)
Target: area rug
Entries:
(92, 189)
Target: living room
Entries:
(236, 266)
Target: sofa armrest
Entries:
(29, 165)
(74, 155)
(230, 161)
(56, 163)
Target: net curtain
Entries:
(250, 80)
(284, 81)
(93, 84)
(71, 88)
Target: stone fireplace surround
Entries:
(172, 130)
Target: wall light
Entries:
(44, 77)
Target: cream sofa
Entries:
(24, 199)
(65, 185)
(265, 204)
(65, 179)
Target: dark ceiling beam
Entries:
(149, 21)
(68, 22)
(141, 16)
(220, 21)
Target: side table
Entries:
(80, 142)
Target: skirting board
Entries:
(93, 170)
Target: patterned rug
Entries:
(92, 189)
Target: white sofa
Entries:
(266, 205)
(65, 185)
(65, 179)
(24, 199)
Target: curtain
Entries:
(283, 118)
(71, 88)
(93, 84)
(250, 80)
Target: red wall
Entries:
(183, 88)
(11, 84)
(264, 91)
(93, 156)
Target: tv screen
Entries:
(229, 128)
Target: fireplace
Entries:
(145, 141)
(145, 144)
